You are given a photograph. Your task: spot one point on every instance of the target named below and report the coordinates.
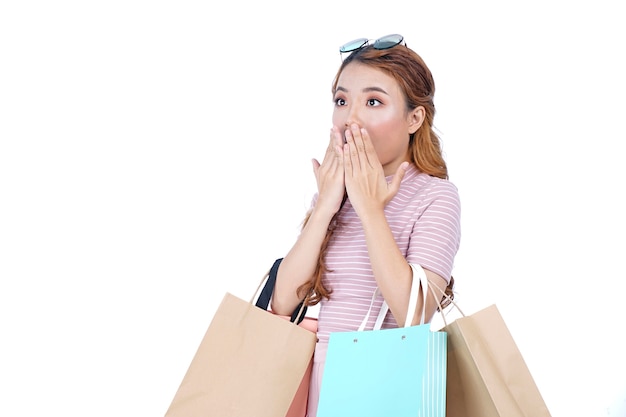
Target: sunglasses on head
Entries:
(385, 42)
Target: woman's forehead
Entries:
(358, 75)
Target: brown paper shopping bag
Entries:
(487, 375)
(250, 363)
(300, 400)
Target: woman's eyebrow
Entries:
(365, 90)
(375, 89)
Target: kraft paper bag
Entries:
(300, 401)
(250, 363)
(487, 375)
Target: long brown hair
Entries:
(417, 83)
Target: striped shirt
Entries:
(424, 217)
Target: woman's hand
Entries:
(364, 175)
(330, 174)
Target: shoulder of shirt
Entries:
(420, 180)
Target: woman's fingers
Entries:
(368, 151)
(394, 185)
(359, 149)
(330, 173)
(333, 159)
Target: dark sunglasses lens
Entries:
(388, 41)
(353, 45)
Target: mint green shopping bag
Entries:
(386, 372)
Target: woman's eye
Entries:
(340, 102)
(373, 102)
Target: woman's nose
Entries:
(353, 117)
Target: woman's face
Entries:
(373, 100)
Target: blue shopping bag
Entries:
(386, 372)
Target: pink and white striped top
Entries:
(424, 218)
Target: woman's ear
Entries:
(416, 118)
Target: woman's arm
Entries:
(301, 261)
(369, 193)
(393, 274)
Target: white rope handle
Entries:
(422, 282)
(369, 311)
(418, 271)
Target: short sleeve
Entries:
(436, 233)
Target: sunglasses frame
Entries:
(385, 42)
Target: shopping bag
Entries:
(298, 407)
(250, 363)
(487, 375)
(300, 400)
(397, 372)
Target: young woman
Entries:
(383, 202)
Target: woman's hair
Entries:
(418, 86)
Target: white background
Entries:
(155, 155)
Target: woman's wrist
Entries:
(321, 215)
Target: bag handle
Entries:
(263, 301)
(266, 293)
(369, 311)
(426, 287)
(446, 296)
(418, 272)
